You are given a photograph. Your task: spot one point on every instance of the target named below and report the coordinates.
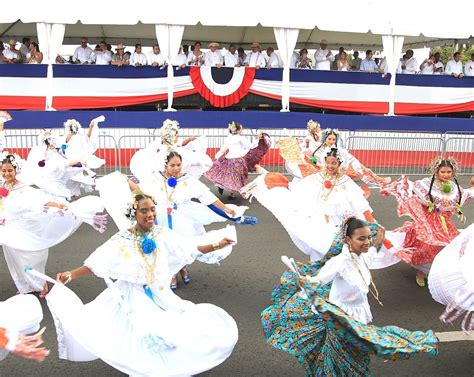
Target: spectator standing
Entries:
(83, 54)
(454, 66)
(138, 58)
(255, 57)
(231, 59)
(355, 62)
(120, 58)
(155, 58)
(272, 59)
(102, 56)
(213, 58)
(469, 67)
(323, 57)
(368, 64)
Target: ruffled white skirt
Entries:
(451, 276)
(172, 337)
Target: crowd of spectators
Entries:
(103, 54)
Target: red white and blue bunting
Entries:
(82, 87)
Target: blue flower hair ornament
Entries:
(330, 131)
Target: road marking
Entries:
(454, 336)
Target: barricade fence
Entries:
(386, 153)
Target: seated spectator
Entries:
(231, 59)
(12, 54)
(410, 65)
(3, 59)
(342, 63)
(469, 67)
(83, 54)
(242, 56)
(368, 64)
(180, 60)
(454, 66)
(255, 58)
(336, 58)
(323, 57)
(272, 59)
(186, 50)
(213, 58)
(120, 58)
(25, 48)
(428, 66)
(196, 56)
(102, 56)
(439, 66)
(138, 58)
(36, 56)
(355, 62)
(304, 61)
(154, 58)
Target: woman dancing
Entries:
(138, 325)
(31, 222)
(430, 202)
(151, 158)
(235, 159)
(325, 325)
(317, 203)
(174, 192)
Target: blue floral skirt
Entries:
(324, 339)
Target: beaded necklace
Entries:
(149, 265)
(374, 292)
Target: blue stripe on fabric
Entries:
(23, 70)
(107, 72)
(311, 75)
(251, 119)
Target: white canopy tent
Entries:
(352, 24)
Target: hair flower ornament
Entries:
(72, 125)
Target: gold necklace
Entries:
(9, 186)
(328, 183)
(149, 266)
(374, 292)
(169, 196)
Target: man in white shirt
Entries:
(83, 54)
(410, 65)
(138, 58)
(25, 48)
(323, 57)
(255, 57)
(454, 66)
(469, 67)
(179, 61)
(231, 59)
(213, 58)
(272, 59)
(155, 58)
(102, 56)
(368, 64)
(383, 66)
(355, 62)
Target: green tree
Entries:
(447, 52)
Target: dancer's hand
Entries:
(230, 212)
(224, 242)
(380, 237)
(64, 277)
(471, 182)
(28, 346)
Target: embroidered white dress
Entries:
(350, 277)
(136, 334)
(152, 158)
(175, 207)
(28, 230)
(312, 213)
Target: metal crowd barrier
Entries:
(386, 153)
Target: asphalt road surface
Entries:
(242, 285)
